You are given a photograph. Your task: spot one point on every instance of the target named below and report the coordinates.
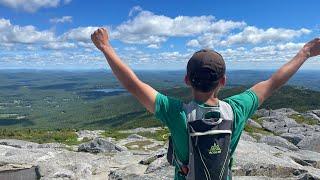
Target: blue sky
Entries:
(250, 34)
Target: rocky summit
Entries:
(277, 144)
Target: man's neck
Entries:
(209, 98)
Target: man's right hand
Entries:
(100, 38)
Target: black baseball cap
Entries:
(204, 69)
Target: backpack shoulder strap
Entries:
(226, 110)
(190, 110)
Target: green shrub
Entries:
(301, 119)
(65, 136)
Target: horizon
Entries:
(152, 35)
(138, 70)
(156, 70)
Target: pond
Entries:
(100, 93)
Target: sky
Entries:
(155, 35)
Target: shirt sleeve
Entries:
(244, 105)
(168, 110)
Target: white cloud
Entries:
(270, 54)
(134, 10)
(22, 34)
(75, 48)
(31, 48)
(254, 35)
(222, 26)
(32, 5)
(59, 45)
(153, 46)
(148, 28)
(290, 46)
(79, 34)
(174, 56)
(6, 46)
(130, 48)
(249, 35)
(264, 49)
(63, 19)
(159, 25)
(193, 43)
(88, 45)
(209, 40)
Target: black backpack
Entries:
(209, 131)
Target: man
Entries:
(206, 76)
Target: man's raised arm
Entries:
(265, 89)
(145, 94)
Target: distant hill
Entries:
(59, 100)
(123, 111)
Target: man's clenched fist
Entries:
(312, 48)
(100, 38)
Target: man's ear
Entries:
(186, 80)
(223, 80)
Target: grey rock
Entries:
(166, 172)
(253, 123)
(277, 141)
(305, 130)
(307, 176)
(18, 172)
(310, 157)
(133, 171)
(285, 111)
(277, 112)
(74, 165)
(99, 145)
(18, 143)
(294, 138)
(246, 137)
(137, 130)
(260, 178)
(311, 115)
(257, 135)
(308, 127)
(264, 113)
(52, 145)
(149, 159)
(270, 124)
(277, 161)
(310, 142)
(136, 173)
(278, 124)
(64, 174)
(126, 158)
(316, 112)
(5, 166)
(88, 134)
(312, 174)
(258, 159)
(58, 163)
(157, 164)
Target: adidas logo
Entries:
(215, 149)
